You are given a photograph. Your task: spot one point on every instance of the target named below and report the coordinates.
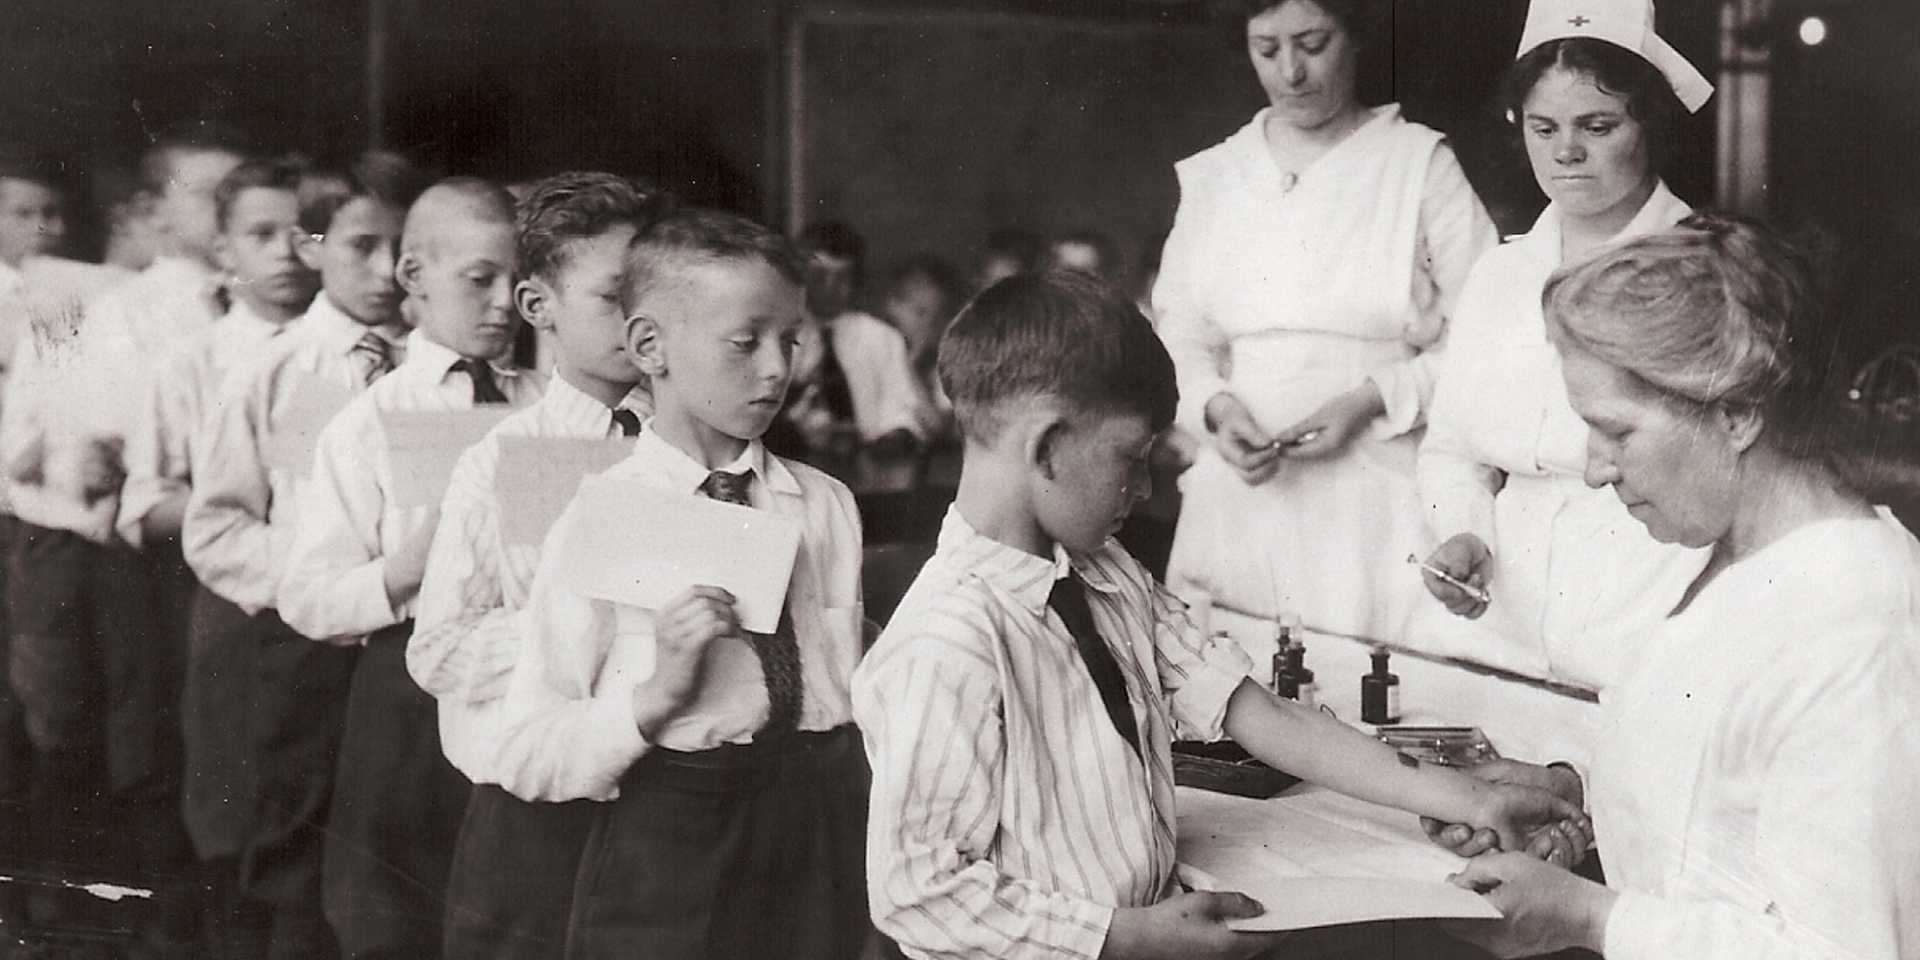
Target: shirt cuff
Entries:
(1204, 695)
(1095, 922)
(617, 744)
(1400, 394)
(1471, 512)
(1635, 927)
(492, 667)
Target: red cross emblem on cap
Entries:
(1579, 21)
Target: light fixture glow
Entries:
(1813, 31)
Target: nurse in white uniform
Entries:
(1594, 95)
(1312, 264)
(1753, 788)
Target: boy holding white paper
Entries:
(359, 550)
(262, 707)
(1020, 706)
(513, 866)
(734, 789)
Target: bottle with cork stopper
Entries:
(1379, 692)
(1291, 678)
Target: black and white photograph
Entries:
(959, 479)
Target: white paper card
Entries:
(1316, 858)
(423, 446)
(631, 543)
(537, 476)
(297, 424)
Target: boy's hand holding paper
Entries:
(634, 544)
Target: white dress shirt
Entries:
(80, 379)
(467, 619)
(1753, 790)
(237, 528)
(1576, 579)
(1009, 817)
(159, 447)
(334, 587)
(568, 731)
(880, 380)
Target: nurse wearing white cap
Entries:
(1595, 97)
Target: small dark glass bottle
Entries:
(1380, 693)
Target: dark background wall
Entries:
(1082, 133)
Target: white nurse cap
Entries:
(1623, 23)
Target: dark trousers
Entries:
(743, 851)
(216, 790)
(94, 678)
(511, 889)
(296, 712)
(397, 806)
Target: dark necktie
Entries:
(372, 357)
(778, 651)
(1069, 600)
(627, 421)
(485, 389)
(831, 379)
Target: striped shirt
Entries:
(1009, 818)
(466, 633)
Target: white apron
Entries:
(1310, 289)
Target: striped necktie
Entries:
(372, 357)
(779, 651)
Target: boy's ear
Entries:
(307, 248)
(1043, 443)
(223, 251)
(407, 271)
(1741, 426)
(532, 296)
(643, 345)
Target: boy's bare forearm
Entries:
(1319, 748)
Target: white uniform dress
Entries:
(1754, 785)
(1288, 294)
(1576, 578)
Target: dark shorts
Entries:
(730, 852)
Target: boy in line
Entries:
(263, 706)
(852, 373)
(731, 775)
(91, 652)
(32, 224)
(514, 861)
(1019, 707)
(257, 213)
(355, 566)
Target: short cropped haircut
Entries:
(156, 164)
(555, 212)
(387, 177)
(1615, 70)
(1717, 311)
(279, 174)
(1061, 336)
(692, 235)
